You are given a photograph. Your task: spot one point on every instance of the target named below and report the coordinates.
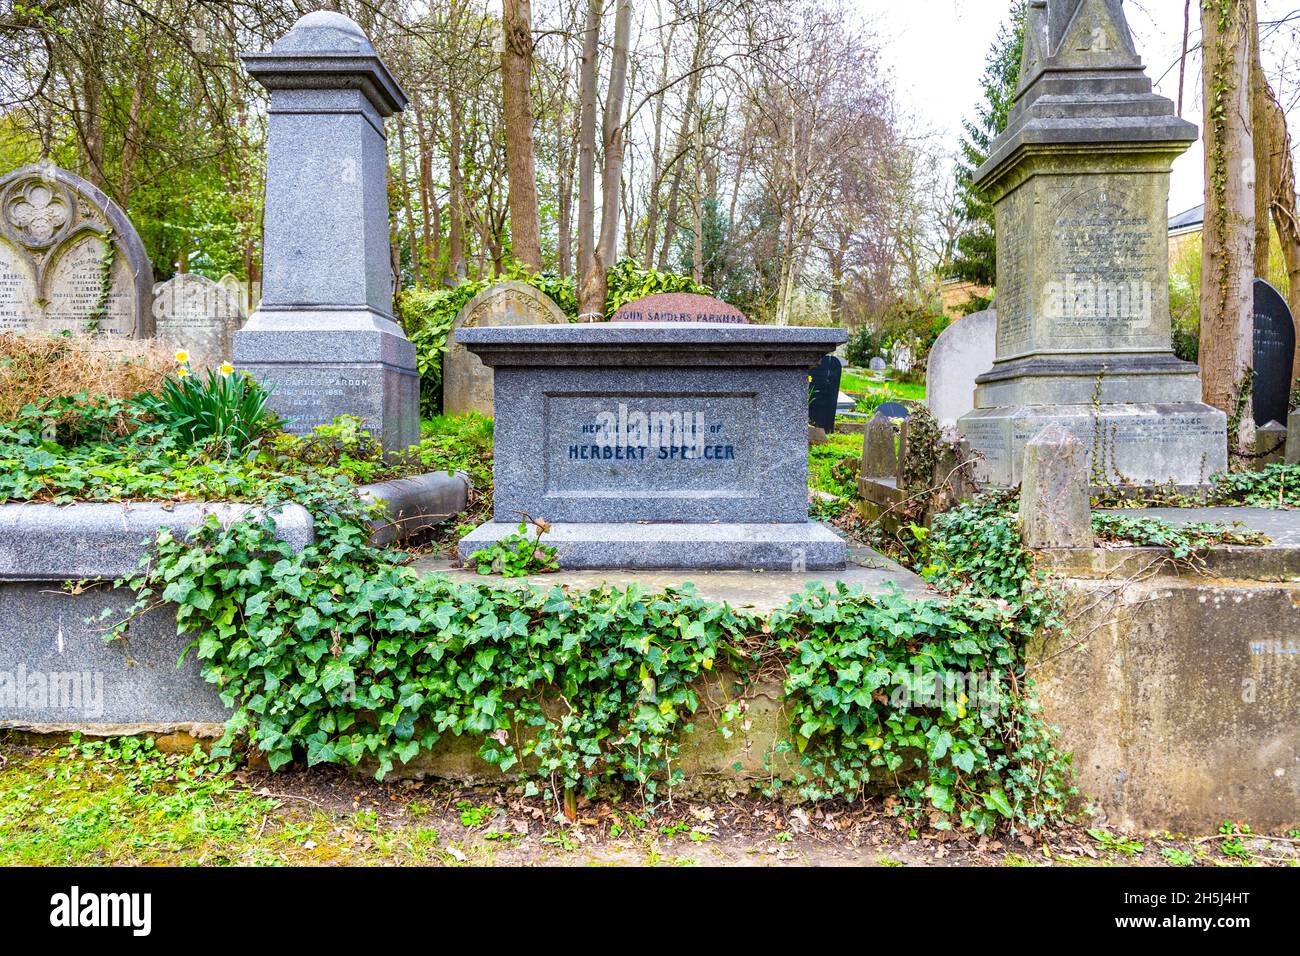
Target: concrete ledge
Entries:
(57, 564)
(802, 546)
(759, 592)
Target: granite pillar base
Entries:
(792, 547)
(1182, 443)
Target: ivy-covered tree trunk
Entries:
(517, 108)
(1229, 233)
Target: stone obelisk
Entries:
(1080, 186)
(324, 336)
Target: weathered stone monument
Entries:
(962, 352)
(656, 445)
(324, 336)
(193, 313)
(1055, 507)
(1080, 182)
(70, 260)
(466, 381)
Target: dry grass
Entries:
(36, 367)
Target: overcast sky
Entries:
(936, 50)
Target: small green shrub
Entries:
(516, 555)
(218, 409)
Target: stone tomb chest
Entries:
(656, 445)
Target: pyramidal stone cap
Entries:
(327, 50)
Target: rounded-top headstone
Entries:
(59, 235)
(892, 410)
(467, 383)
(195, 314)
(1274, 355)
(877, 364)
(962, 351)
(680, 307)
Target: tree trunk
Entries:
(456, 183)
(517, 101)
(591, 305)
(407, 204)
(1229, 234)
(1282, 203)
(613, 135)
(1259, 176)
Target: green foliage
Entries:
(919, 692)
(831, 466)
(516, 555)
(864, 344)
(340, 654)
(976, 547)
(975, 260)
(220, 410)
(1186, 542)
(81, 449)
(1276, 485)
(628, 281)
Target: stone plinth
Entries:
(656, 445)
(1080, 184)
(324, 335)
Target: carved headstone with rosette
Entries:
(466, 382)
(70, 260)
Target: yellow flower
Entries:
(182, 356)
(182, 372)
(227, 368)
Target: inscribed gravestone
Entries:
(962, 352)
(679, 307)
(1274, 355)
(193, 313)
(877, 364)
(824, 388)
(467, 383)
(70, 260)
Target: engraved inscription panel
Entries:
(639, 445)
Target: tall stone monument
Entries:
(70, 259)
(1080, 185)
(466, 381)
(324, 335)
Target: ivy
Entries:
(517, 555)
(1186, 542)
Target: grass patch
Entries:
(829, 465)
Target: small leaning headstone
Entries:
(1055, 507)
(1270, 444)
(879, 458)
(1293, 438)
